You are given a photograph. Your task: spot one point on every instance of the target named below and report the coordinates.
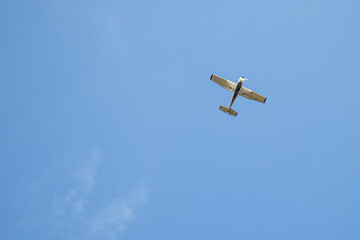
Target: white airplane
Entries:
(237, 89)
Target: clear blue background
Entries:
(110, 127)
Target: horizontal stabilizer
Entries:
(228, 110)
(224, 109)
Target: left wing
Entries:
(247, 93)
(228, 85)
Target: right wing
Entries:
(247, 93)
(228, 85)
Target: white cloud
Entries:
(98, 222)
(86, 174)
(71, 203)
(75, 199)
(112, 220)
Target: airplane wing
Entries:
(247, 93)
(228, 85)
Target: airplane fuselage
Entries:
(236, 91)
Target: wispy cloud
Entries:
(86, 174)
(73, 202)
(112, 220)
(73, 211)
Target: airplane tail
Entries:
(228, 110)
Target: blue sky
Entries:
(110, 127)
